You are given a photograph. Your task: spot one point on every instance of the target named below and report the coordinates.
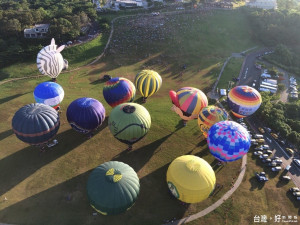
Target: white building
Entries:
(128, 3)
(38, 31)
(263, 4)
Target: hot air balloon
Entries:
(243, 101)
(129, 123)
(49, 93)
(228, 141)
(187, 102)
(191, 179)
(50, 62)
(112, 188)
(147, 82)
(210, 115)
(118, 90)
(85, 115)
(35, 123)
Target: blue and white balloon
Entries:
(49, 93)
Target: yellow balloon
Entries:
(191, 179)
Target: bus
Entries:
(269, 84)
(267, 88)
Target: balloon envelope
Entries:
(190, 179)
(112, 188)
(35, 123)
(191, 101)
(148, 82)
(49, 60)
(243, 101)
(228, 141)
(129, 122)
(210, 115)
(85, 114)
(118, 90)
(49, 93)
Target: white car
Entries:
(258, 153)
(267, 152)
(294, 189)
(296, 193)
(260, 148)
(277, 168)
(263, 156)
(265, 147)
(297, 161)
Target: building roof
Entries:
(37, 26)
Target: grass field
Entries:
(231, 70)
(51, 188)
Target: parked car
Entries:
(272, 164)
(260, 140)
(259, 148)
(296, 193)
(254, 144)
(276, 169)
(275, 136)
(294, 189)
(298, 198)
(282, 142)
(263, 156)
(265, 147)
(286, 178)
(258, 136)
(268, 129)
(267, 160)
(267, 152)
(290, 151)
(261, 177)
(278, 161)
(297, 161)
(261, 130)
(258, 153)
(288, 167)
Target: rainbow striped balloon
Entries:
(118, 90)
(148, 82)
(228, 141)
(210, 115)
(191, 100)
(243, 101)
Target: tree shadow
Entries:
(155, 182)
(139, 157)
(69, 203)
(25, 162)
(255, 184)
(9, 98)
(294, 200)
(6, 134)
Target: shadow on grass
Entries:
(255, 184)
(294, 200)
(7, 99)
(99, 81)
(28, 160)
(6, 134)
(69, 203)
(137, 158)
(139, 101)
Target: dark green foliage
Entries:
(65, 18)
(281, 117)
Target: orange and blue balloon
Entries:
(210, 115)
(85, 114)
(49, 93)
(228, 141)
(118, 90)
(243, 101)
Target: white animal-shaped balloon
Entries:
(49, 60)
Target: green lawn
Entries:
(231, 70)
(51, 188)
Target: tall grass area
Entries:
(231, 70)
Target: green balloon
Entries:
(129, 122)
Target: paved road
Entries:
(248, 74)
